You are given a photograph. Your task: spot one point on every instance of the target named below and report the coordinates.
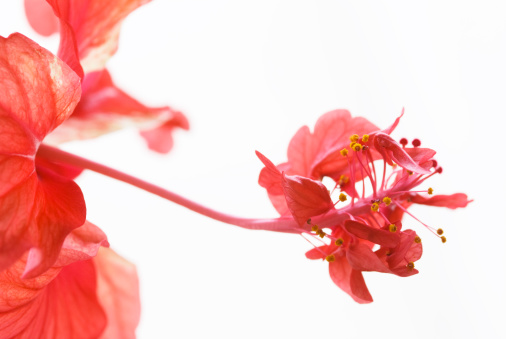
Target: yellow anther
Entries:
(339, 241)
(443, 239)
(352, 144)
(410, 265)
(387, 201)
(392, 228)
(430, 190)
(418, 239)
(440, 231)
(344, 152)
(321, 233)
(343, 197)
(330, 258)
(410, 172)
(343, 179)
(314, 228)
(354, 138)
(365, 138)
(357, 147)
(375, 207)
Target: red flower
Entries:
(336, 150)
(90, 292)
(38, 208)
(89, 32)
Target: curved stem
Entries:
(287, 224)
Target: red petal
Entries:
(311, 154)
(90, 29)
(362, 258)
(40, 92)
(349, 280)
(316, 253)
(118, 292)
(64, 170)
(41, 17)
(105, 108)
(457, 200)
(160, 139)
(38, 208)
(270, 176)
(58, 209)
(82, 244)
(377, 236)
(389, 148)
(391, 128)
(61, 303)
(305, 197)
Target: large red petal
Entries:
(57, 304)
(118, 292)
(313, 155)
(37, 208)
(90, 29)
(305, 197)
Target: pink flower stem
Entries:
(281, 224)
(286, 225)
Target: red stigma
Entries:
(403, 142)
(416, 142)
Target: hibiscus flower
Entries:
(54, 280)
(366, 234)
(89, 32)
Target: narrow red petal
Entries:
(270, 176)
(453, 201)
(377, 236)
(389, 148)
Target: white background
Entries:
(248, 75)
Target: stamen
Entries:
(344, 152)
(430, 190)
(392, 228)
(342, 197)
(387, 201)
(365, 138)
(418, 239)
(440, 231)
(410, 265)
(339, 242)
(330, 258)
(354, 138)
(315, 228)
(443, 239)
(375, 207)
